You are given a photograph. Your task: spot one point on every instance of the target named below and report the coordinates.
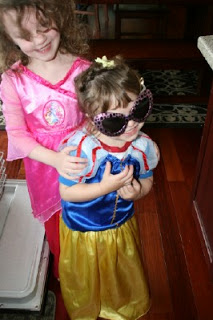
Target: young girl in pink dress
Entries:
(42, 48)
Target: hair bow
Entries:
(105, 62)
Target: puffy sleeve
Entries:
(87, 147)
(20, 140)
(147, 153)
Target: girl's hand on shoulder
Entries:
(67, 165)
(111, 182)
(130, 191)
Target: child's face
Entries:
(122, 124)
(40, 43)
(133, 128)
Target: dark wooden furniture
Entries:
(163, 20)
(81, 10)
(203, 191)
(146, 21)
(172, 19)
(94, 12)
(176, 2)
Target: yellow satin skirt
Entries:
(101, 273)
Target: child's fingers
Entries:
(136, 184)
(75, 166)
(77, 160)
(67, 151)
(107, 168)
(126, 192)
(127, 173)
(131, 170)
(73, 170)
(128, 181)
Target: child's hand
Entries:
(111, 182)
(67, 165)
(131, 191)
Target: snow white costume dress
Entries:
(101, 272)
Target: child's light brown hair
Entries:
(98, 85)
(61, 12)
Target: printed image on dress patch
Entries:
(53, 113)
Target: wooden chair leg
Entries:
(117, 22)
(106, 16)
(95, 14)
(97, 22)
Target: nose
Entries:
(38, 38)
(131, 123)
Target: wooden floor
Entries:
(176, 269)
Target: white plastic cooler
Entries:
(24, 252)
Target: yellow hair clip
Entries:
(143, 87)
(105, 62)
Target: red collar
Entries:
(115, 149)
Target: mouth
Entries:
(131, 131)
(44, 49)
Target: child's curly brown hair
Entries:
(74, 38)
(97, 85)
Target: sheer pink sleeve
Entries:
(20, 140)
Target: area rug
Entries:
(171, 82)
(48, 312)
(177, 116)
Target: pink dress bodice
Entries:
(39, 113)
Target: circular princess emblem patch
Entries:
(53, 113)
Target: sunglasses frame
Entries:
(98, 119)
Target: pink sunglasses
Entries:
(114, 124)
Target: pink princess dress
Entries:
(39, 113)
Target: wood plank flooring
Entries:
(179, 283)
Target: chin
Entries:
(132, 137)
